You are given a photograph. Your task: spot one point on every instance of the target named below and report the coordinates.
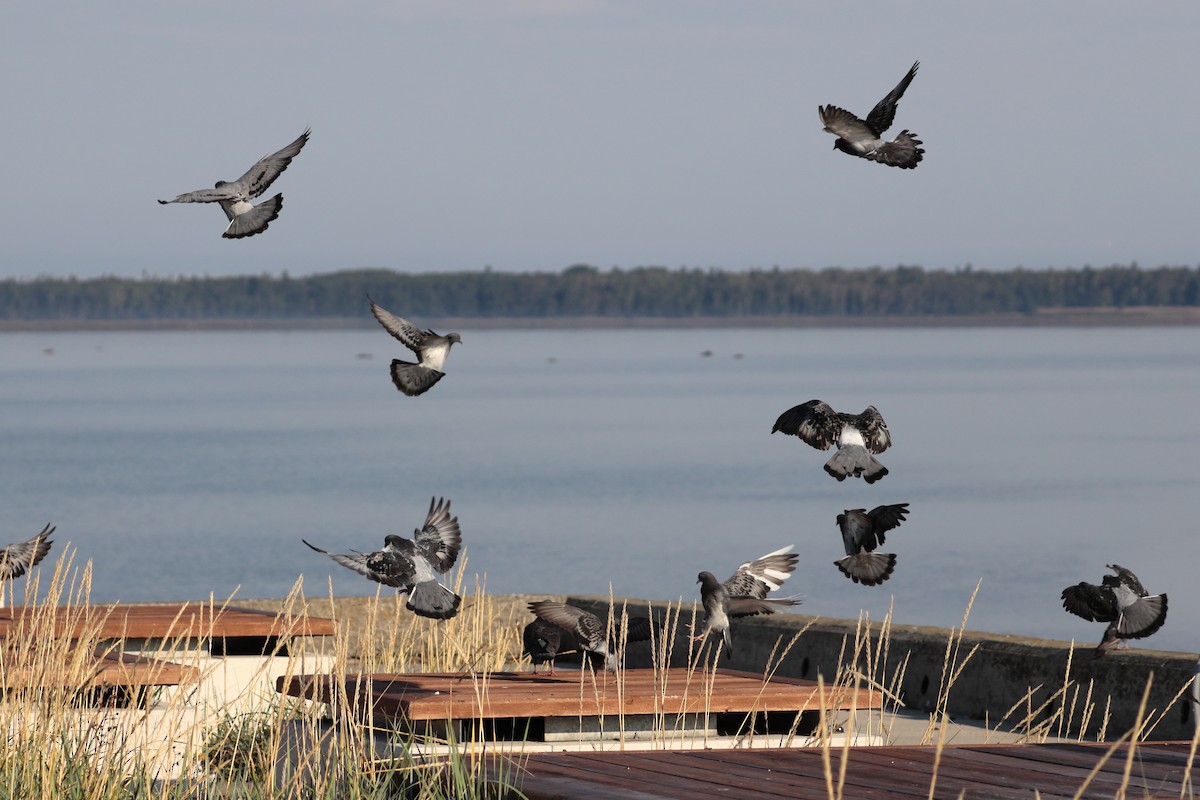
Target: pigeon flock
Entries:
(416, 566)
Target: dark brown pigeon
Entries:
(245, 218)
(415, 565)
(856, 437)
(865, 138)
(744, 593)
(1121, 601)
(589, 633)
(17, 559)
(862, 532)
(431, 350)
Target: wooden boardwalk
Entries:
(441, 696)
(996, 772)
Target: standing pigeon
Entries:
(413, 566)
(590, 634)
(1121, 601)
(431, 350)
(245, 218)
(543, 642)
(865, 139)
(743, 595)
(17, 559)
(856, 437)
(862, 532)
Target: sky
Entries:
(531, 135)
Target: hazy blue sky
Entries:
(530, 135)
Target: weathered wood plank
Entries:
(99, 668)
(160, 621)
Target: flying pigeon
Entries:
(18, 558)
(590, 634)
(862, 532)
(744, 594)
(245, 218)
(413, 566)
(1121, 601)
(865, 139)
(431, 349)
(856, 437)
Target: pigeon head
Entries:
(219, 184)
(708, 580)
(453, 338)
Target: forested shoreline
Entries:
(585, 292)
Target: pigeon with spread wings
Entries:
(1120, 600)
(18, 558)
(430, 348)
(246, 218)
(744, 594)
(415, 565)
(863, 531)
(864, 138)
(857, 437)
(591, 634)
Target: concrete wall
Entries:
(996, 677)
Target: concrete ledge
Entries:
(1003, 670)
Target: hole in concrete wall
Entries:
(925, 684)
(804, 665)
(1185, 711)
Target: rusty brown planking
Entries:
(160, 621)
(101, 667)
(995, 772)
(521, 695)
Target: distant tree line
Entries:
(586, 291)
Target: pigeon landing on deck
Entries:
(245, 218)
(430, 348)
(415, 565)
(1120, 600)
(744, 593)
(18, 558)
(864, 138)
(589, 633)
(863, 531)
(857, 437)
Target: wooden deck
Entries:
(100, 668)
(574, 707)
(998, 772)
(163, 621)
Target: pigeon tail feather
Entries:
(413, 379)
(431, 599)
(854, 460)
(869, 569)
(1142, 618)
(255, 220)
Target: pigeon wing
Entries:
(358, 563)
(17, 559)
(586, 626)
(855, 526)
(884, 112)
(752, 606)
(846, 125)
(874, 430)
(641, 629)
(1091, 602)
(814, 422)
(763, 575)
(885, 518)
(440, 539)
(1126, 576)
(224, 192)
(409, 335)
(259, 177)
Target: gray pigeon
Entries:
(865, 139)
(862, 532)
(856, 437)
(245, 218)
(590, 633)
(17, 559)
(431, 350)
(414, 565)
(1120, 600)
(744, 593)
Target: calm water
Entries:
(184, 464)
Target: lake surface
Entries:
(181, 464)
